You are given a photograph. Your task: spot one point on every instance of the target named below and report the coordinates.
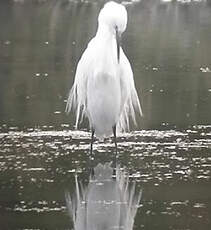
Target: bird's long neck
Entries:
(104, 32)
(106, 42)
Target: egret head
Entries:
(114, 17)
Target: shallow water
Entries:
(169, 156)
(172, 167)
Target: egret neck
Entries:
(108, 42)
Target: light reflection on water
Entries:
(173, 167)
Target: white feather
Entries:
(104, 89)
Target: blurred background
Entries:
(168, 45)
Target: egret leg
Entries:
(92, 141)
(115, 142)
(91, 157)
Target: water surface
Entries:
(169, 154)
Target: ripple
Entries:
(45, 160)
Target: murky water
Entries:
(169, 156)
(172, 167)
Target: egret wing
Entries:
(77, 98)
(129, 97)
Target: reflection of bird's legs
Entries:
(115, 158)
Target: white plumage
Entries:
(104, 89)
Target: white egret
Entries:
(103, 88)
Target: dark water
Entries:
(169, 156)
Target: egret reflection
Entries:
(106, 202)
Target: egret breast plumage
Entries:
(103, 88)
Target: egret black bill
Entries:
(118, 43)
